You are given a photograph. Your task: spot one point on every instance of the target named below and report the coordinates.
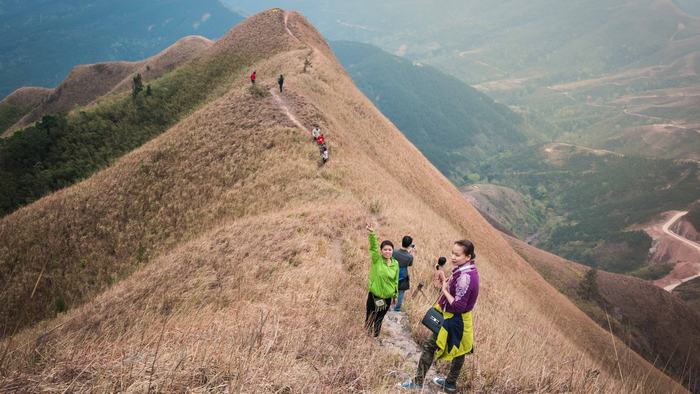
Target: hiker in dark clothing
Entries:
(382, 283)
(252, 77)
(280, 81)
(405, 259)
(456, 336)
(324, 153)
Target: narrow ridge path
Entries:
(283, 106)
(286, 26)
(396, 337)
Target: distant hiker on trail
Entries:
(405, 259)
(439, 275)
(324, 153)
(316, 132)
(252, 77)
(456, 336)
(382, 283)
(280, 81)
(320, 140)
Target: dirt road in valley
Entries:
(689, 270)
(667, 230)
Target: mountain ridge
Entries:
(88, 82)
(206, 220)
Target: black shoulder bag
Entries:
(433, 318)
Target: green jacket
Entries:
(383, 280)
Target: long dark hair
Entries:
(467, 247)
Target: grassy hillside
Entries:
(516, 212)
(453, 125)
(648, 319)
(63, 149)
(86, 83)
(19, 103)
(43, 40)
(231, 253)
(690, 293)
(10, 114)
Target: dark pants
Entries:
(426, 360)
(374, 316)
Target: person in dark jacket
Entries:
(405, 259)
(280, 81)
(324, 153)
(456, 336)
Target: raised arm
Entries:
(373, 244)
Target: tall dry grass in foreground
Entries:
(254, 278)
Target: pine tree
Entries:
(588, 288)
(137, 85)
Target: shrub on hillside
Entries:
(653, 271)
(588, 288)
(258, 91)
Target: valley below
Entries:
(671, 248)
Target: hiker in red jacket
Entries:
(320, 140)
(252, 78)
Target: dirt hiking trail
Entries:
(283, 106)
(396, 337)
(396, 334)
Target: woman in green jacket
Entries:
(383, 281)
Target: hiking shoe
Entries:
(410, 385)
(442, 383)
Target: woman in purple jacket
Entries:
(456, 336)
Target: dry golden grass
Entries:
(650, 320)
(19, 103)
(27, 96)
(241, 263)
(183, 50)
(87, 83)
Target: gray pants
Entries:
(426, 360)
